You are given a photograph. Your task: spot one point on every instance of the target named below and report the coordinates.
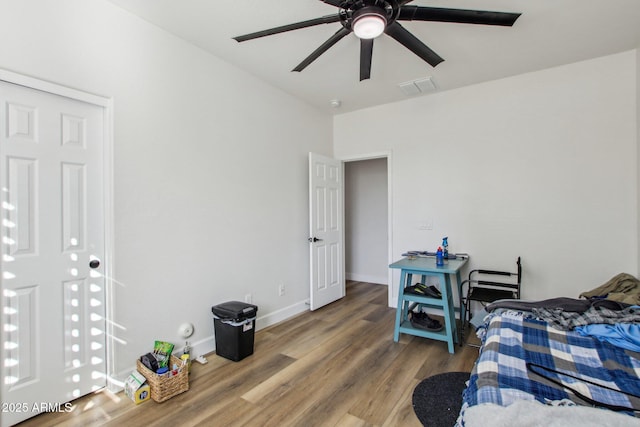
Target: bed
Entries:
(557, 362)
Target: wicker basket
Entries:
(165, 387)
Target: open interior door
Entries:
(326, 228)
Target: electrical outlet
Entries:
(281, 289)
(248, 298)
(426, 224)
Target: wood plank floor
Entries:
(337, 366)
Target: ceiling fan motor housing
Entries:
(353, 10)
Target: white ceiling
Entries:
(549, 33)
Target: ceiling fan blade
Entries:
(329, 19)
(464, 16)
(411, 42)
(366, 52)
(335, 3)
(322, 49)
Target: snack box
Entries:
(136, 387)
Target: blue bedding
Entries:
(525, 358)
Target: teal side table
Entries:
(426, 266)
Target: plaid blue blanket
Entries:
(525, 358)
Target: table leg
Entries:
(400, 314)
(452, 311)
(447, 310)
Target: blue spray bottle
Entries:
(445, 247)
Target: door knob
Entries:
(314, 239)
(94, 263)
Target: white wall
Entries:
(210, 168)
(541, 165)
(366, 221)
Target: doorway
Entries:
(368, 220)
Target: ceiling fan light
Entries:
(369, 26)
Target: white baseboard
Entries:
(281, 315)
(356, 277)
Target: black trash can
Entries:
(234, 326)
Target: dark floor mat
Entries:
(437, 400)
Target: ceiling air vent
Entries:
(417, 87)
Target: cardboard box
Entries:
(136, 387)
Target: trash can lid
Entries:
(234, 310)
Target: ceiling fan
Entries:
(368, 19)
